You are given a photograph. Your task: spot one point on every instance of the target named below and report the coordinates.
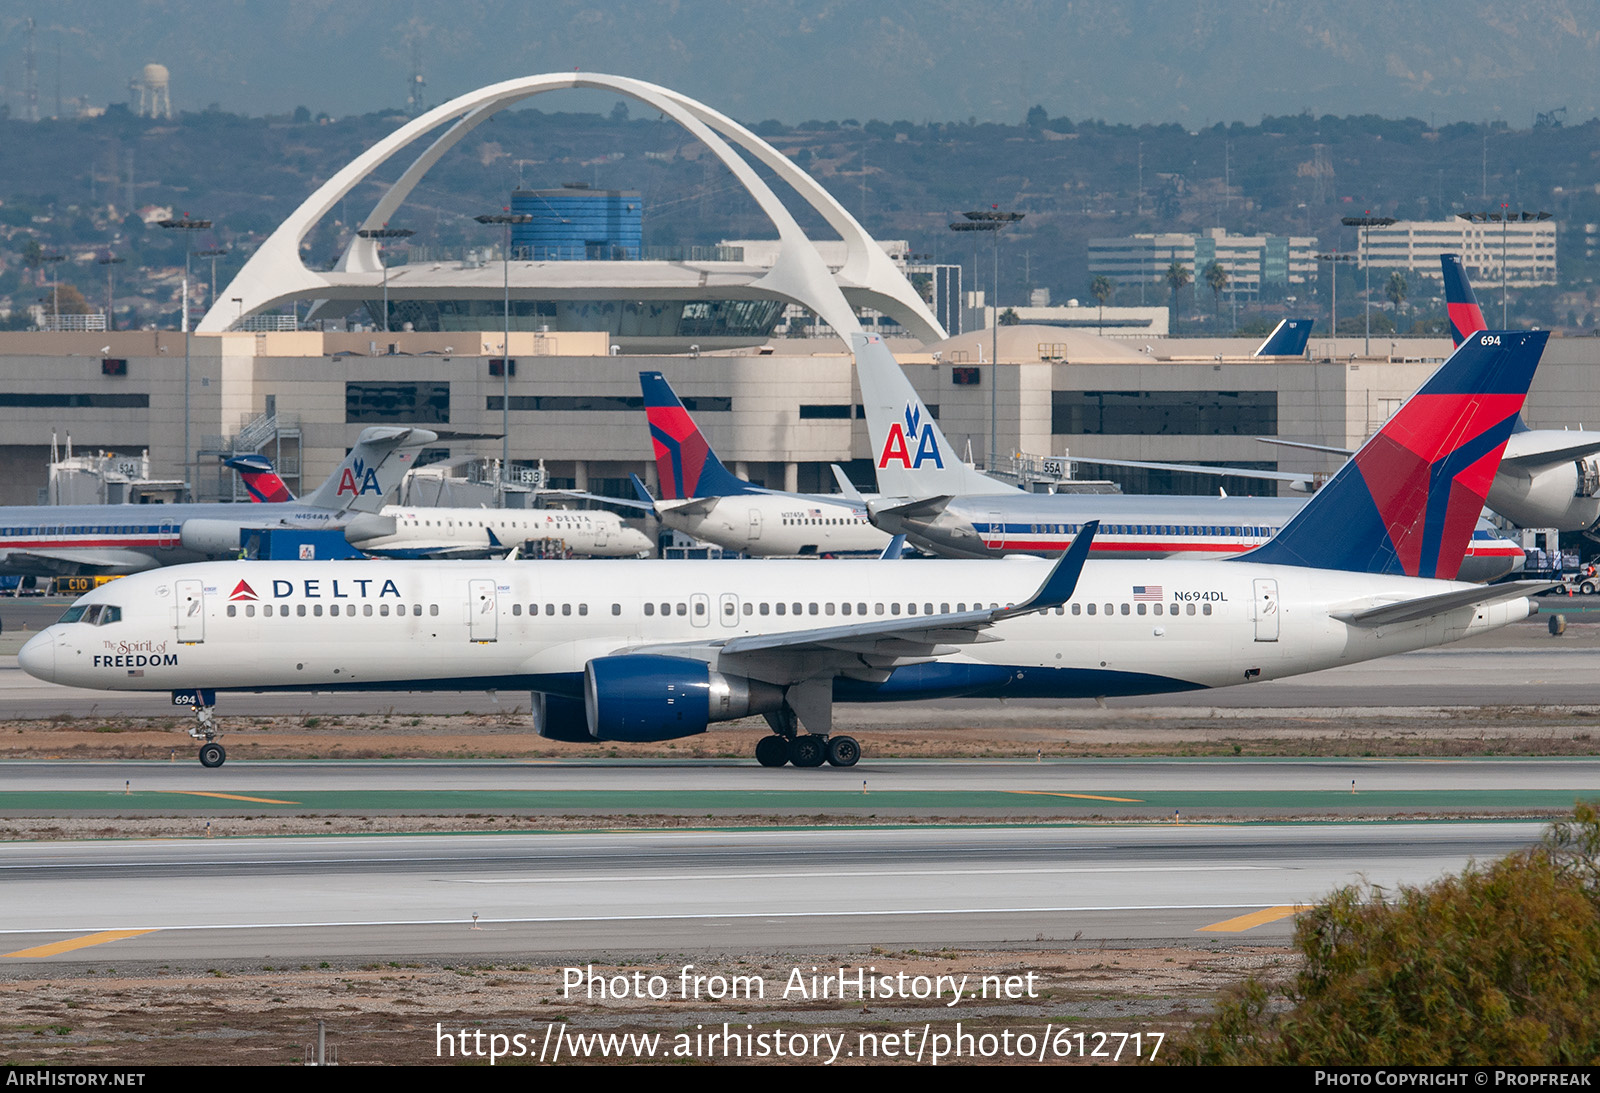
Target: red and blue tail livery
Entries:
(260, 478)
(1408, 501)
(685, 462)
(1466, 317)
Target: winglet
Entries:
(847, 488)
(895, 548)
(1058, 587)
(493, 540)
(642, 490)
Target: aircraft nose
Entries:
(38, 657)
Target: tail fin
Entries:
(1466, 317)
(373, 469)
(1408, 501)
(1288, 339)
(911, 454)
(260, 478)
(684, 460)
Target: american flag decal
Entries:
(1150, 592)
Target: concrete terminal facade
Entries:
(780, 416)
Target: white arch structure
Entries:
(276, 274)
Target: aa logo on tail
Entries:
(358, 479)
(899, 444)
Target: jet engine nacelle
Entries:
(1562, 497)
(368, 525)
(216, 538)
(643, 697)
(557, 717)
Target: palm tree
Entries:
(1102, 288)
(1177, 278)
(1396, 291)
(1216, 277)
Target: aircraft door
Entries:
(755, 525)
(728, 609)
(599, 532)
(700, 609)
(995, 537)
(169, 535)
(191, 607)
(1266, 610)
(484, 620)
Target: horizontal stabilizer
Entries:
(1391, 614)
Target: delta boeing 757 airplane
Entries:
(654, 650)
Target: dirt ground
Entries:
(414, 1013)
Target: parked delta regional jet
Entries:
(702, 498)
(404, 532)
(654, 650)
(73, 540)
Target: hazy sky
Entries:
(934, 60)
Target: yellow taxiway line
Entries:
(58, 947)
(1254, 919)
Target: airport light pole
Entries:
(110, 261)
(52, 260)
(507, 218)
(212, 253)
(1366, 223)
(380, 234)
(1504, 217)
(185, 224)
(1333, 276)
(991, 220)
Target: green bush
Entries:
(1500, 965)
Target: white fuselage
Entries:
(439, 532)
(460, 625)
(774, 525)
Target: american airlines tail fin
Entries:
(373, 469)
(260, 478)
(1466, 317)
(910, 453)
(1288, 339)
(1407, 502)
(685, 462)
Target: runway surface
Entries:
(727, 891)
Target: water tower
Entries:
(155, 95)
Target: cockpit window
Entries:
(95, 614)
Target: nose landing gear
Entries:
(212, 754)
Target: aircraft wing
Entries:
(694, 506)
(75, 562)
(584, 495)
(1195, 468)
(1346, 452)
(884, 644)
(1533, 461)
(1424, 607)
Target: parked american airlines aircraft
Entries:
(944, 506)
(702, 498)
(400, 531)
(653, 650)
(71, 540)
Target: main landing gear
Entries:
(212, 754)
(807, 750)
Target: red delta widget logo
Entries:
(357, 479)
(902, 439)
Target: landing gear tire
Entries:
(843, 751)
(772, 751)
(212, 755)
(808, 750)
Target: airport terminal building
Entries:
(588, 308)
